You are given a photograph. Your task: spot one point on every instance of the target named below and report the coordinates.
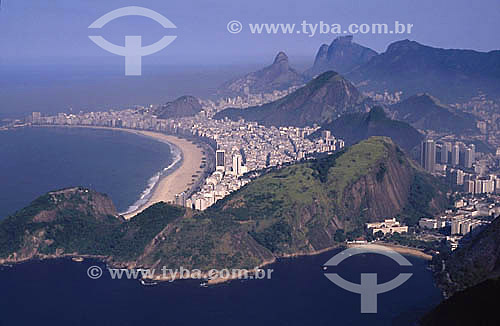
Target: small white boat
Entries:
(147, 283)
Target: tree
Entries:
(379, 234)
(339, 236)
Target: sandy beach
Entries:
(176, 182)
(400, 249)
(179, 180)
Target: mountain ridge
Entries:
(288, 211)
(277, 76)
(423, 111)
(321, 100)
(184, 106)
(342, 55)
(355, 127)
(411, 67)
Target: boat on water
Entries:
(77, 259)
(204, 284)
(147, 283)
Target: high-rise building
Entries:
(469, 186)
(458, 177)
(445, 152)
(36, 117)
(478, 186)
(220, 160)
(489, 186)
(428, 155)
(455, 155)
(497, 184)
(469, 157)
(237, 164)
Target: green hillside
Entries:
(292, 210)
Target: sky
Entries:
(56, 31)
(49, 64)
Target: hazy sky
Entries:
(56, 30)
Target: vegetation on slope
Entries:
(301, 208)
(476, 260)
(70, 221)
(355, 127)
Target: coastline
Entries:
(169, 184)
(154, 180)
(180, 179)
(400, 249)
(213, 281)
(379, 245)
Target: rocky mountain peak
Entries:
(281, 59)
(403, 45)
(341, 55)
(345, 40)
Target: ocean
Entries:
(56, 88)
(59, 292)
(34, 161)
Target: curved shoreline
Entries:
(400, 249)
(152, 186)
(169, 184)
(180, 179)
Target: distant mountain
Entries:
(355, 127)
(342, 56)
(454, 75)
(423, 111)
(320, 101)
(184, 106)
(278, 76)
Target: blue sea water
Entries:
(34, 161)
(59, 292)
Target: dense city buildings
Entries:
(242, 149)
(240, 146)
